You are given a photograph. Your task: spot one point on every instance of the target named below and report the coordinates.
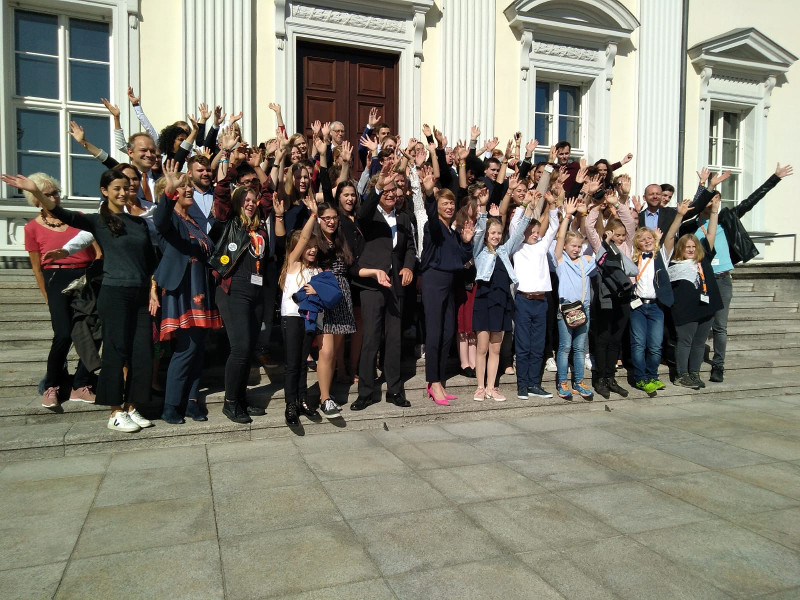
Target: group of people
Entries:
(544, 260)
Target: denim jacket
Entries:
(484, 260)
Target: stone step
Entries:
(26, 293)
(746, 304)
(18, 442)
(744, 343)
(19, 284)
(24, 316)
(757, 294)
(766, 312)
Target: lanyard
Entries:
(705, 233)
(702, 276)
(642, 268)
(258, 249)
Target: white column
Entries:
(660, 58)
(467, 67)
(217, 46)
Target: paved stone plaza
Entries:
(697, 500)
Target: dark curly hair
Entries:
(166, 140)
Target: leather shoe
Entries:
(361, 403)
(256, 411)
(292, 419)
(398, 400)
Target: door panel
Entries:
(338, 83)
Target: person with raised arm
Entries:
(696, 299)
(128, 265)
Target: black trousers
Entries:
(610, 325)
(127, 338)
(440, 321)
(297, 342)
(381, 313)
(271, 289)
(61, 320)
(242, 311)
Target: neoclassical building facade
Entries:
(682, 84)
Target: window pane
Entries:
(35, 163)
(542, 97)
(714, 132)
(542, 129)
(86, 173)
(730, 188)
(36, 33)
(88, 82)
(88, 39)
(569, 129)
(569, 100)
(730, 150)
(37, 130)
(712, 151)
(96, 129)
(37, 76)
(730, 125)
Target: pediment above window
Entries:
(742, 51)
(588, 21)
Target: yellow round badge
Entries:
(224, 259)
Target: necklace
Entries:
(55, 225)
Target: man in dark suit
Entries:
(654, 215)
(384, 268)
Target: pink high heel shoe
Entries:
(450, 396)
(436, 400)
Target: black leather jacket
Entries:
(233, 242)
(740, 245)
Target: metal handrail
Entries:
(756, 238)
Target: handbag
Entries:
(572, 312)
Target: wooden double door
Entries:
(342, 84)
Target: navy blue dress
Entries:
(492, 310)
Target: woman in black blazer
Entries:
(187, 298)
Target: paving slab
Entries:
(721, 494)
(730, 557)
(769, 444)
(256, 450)
(715, 454)
(644, 462)
(480, 483)
(54, 468)
(383, 495)
(782, 477)
(47, 496)
(40, 539)
(635, 506)
(782, 526)
(549, 522)
(435, 455)
(157, 458)
(632, 571)
(298, 560)
(480, 429)
(567, 579)
(413, 433)
(566, 471)
(32, 583)
(244, 476)
(376, 589)
(364, 462)
(131, 487)
(108, 530)
(186, 571)
(505, 578)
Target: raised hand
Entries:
(272, 146)
(492, 144)
(459, 153)
(627, 158)
(316, 127)
(236, 117)
(374, 118)
(369, 143)
(385, 177)
(205, 112)
(346, 151)
(132, 97)
(426, 130)
(193, 121)
(592, 185)
(439, 136)
(112, 108)
(228, 138)
(468, 231)
(494, 210)
(624, 184)
(20, 182)
(77, 132)
(254, 158)
(427, 180)
(551, 158)
(783, 171)
(320, 146)
(475, 132)
(531, 146)
(276, 108)
(570, 206)
(509, 151)
(658, 233)
(719, 178)
(513, 182)
(204, 151)
(637, 203)
(311, 204)
(173, 176)
(219, 116)
(716, 202)
(683, 207)
(326, 130)
(278, 205)
(580, 177)
(703, 175)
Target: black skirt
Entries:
(493, 308)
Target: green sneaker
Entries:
(660, 385)
(648, 387)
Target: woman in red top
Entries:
(42, 234)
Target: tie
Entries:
(647, 255)
(148, 195)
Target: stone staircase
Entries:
(763, 352)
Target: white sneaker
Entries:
(550, 365)
(330, 408)
(588, 362)
(137, 418)
(121, 421)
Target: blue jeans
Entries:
(530, 330)
(573, 338)
(647, 333)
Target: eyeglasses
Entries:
(332, 219)
(55, 194)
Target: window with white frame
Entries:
(725, 151)
(62, 67)
(559, 116)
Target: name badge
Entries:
(256, 280)
(715, 262)
(704, 298)
(635, 303)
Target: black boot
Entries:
(195, 412)
(235, 412)
(292, 420)
(717, 375)
(616, 388)
(601, 387)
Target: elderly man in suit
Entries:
(384, 268)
